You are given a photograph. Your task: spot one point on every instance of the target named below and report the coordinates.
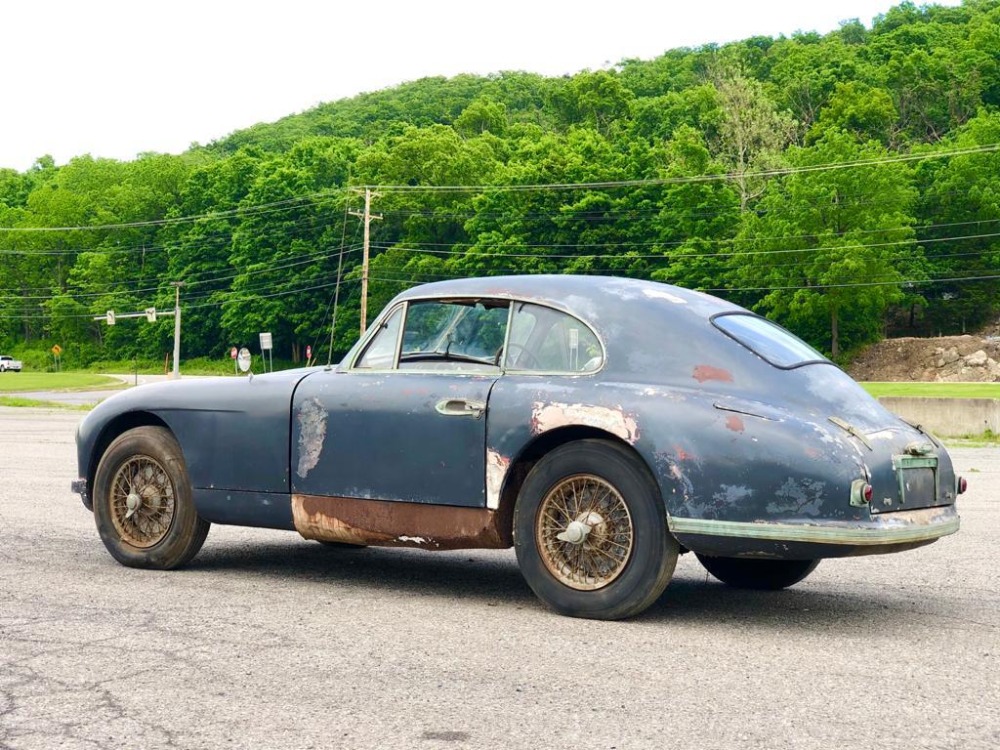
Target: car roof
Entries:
(563, 290)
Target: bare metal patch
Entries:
(545, 417)
(312, 432)
(496, 472)
(919, 517)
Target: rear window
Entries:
(767, 340)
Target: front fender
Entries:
(234, 432)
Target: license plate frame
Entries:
(913, 480)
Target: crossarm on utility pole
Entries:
(151, 314)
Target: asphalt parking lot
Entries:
(269, 641)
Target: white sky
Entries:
(114, 78)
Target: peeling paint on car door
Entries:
(405, 436)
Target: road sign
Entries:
(243, 359)
(233, 353)
(57, 350)
(151, 314)
(266, 343)
(110, 317)
(309, 352)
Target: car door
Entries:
(406, 420)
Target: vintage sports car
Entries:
(600, 426)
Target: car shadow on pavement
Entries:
(492, 576)
(697, 599)
(486, 574)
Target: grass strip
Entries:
(934, 390)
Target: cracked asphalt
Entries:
(269, 641)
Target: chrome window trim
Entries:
(511, 300)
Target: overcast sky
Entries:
(114, 78)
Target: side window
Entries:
(381, 350)
(547, 340)
(454, 334)
(767, 340)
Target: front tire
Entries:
(591, 534)
(143, 504)
(763, 575)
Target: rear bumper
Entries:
(886, 532)
(79, 486)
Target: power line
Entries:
(901, 282)
(241, 211)
(194, 281)
(720, 177)
(233, 298)
(912, 241)
(305, 259)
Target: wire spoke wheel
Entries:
(143, 502)
(584, 532)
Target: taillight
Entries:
(861, 493)
(961, 485)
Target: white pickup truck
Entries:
(9, 363)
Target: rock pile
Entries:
(943, 359)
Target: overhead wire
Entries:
(720, 177)
(315, 222)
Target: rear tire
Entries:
(763, 575)
(590, 532)
(143, 504)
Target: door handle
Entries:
(460, 407)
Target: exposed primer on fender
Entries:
(312, 432)
(496, 472)
(545, 417)
(705, 373)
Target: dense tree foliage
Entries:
(844, 184)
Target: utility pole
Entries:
(367, 218)
(177, 328)
(150, 314)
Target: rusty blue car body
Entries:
(599, 398)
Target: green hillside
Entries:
(845, 185)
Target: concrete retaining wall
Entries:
(948, 417)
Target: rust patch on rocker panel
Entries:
(382, 523)
(704, 373)
(545, 417)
